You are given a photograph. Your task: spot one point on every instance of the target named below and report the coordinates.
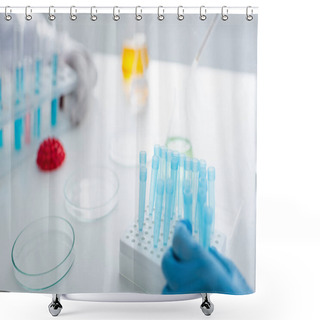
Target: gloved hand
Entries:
(189, 268)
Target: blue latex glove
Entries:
(189, 268)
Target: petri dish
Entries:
(91, 193)
(43, 253)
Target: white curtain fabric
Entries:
(122, 87)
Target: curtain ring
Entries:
(51, 15)
(138, 16)
(203, 13)
(28, 15)
(7, 16)
(224, 13)
(160, 16)
(249, 17)
(180, 14)
(93, 16)
(73, 16)
(116, 17)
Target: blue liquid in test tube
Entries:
(54, 102)
(180, 184)
(142, 195)
(163, 162)
(174, 174)
(188, 169)
(211, 193)
(203, 169)
(18, 123)
(37, 112)
(156, 149)
(153, 182)
(158, 212)
(187, 199)
(168, 208)
(168, 169)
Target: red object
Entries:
(50, 154)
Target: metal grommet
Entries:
(160, 16)
(138, 16)
(52, 16)
(93, 17)
(180, 15)
(6, 14)
(249, 17)
(27, 14)
(116, 17)
(203, 13)
(73, 16)
(224, 13)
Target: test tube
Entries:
(142, 195)
(37, 112)
(54, 102)
(153, 182)
(180, 184)
(203, 169)
(143, 158)
(211, 194)
(167, 214)
(207, 222)
(174, 173)
(187, 199)
(195, 180)
(201, 199)
(158, 212)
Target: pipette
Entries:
(37, 112)
(168, 169)
(180, 184)
(156, 149)
(202, 194)
(158, 212)
(168, 208)
(153, 182)
(142, 195)
(203, 169)
(201, 199)
(143, 158)
(211, 193)
(163, 159)
(206, 228)
(174, 174)
(195, 180)
(187, 199)
(187, 169)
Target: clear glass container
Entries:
(43, 253)
(91, 192)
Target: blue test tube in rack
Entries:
(188, 169)
(203, 169)
(195, 181)
(187, 199)
(167, 212)
(202, 195)
(142, 195)
(211, 193)
(163, 162)
(158, 212)
(18, 123)
(153, 182)
(142, 158)
(201, 199)
(180, 184)
(207, 213)
(156, 150)
(54, 102)
(174, 175)
(168, 168)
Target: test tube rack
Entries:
(140, 262)
(9, 155)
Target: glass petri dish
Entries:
(43, 253)
(91, 193)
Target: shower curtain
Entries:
(128, 152)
